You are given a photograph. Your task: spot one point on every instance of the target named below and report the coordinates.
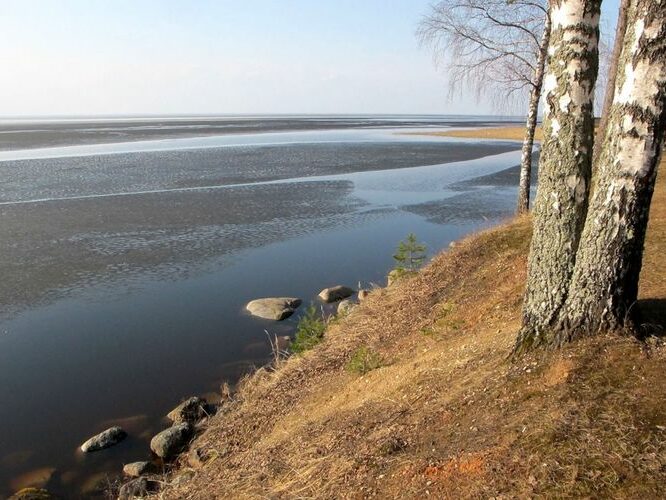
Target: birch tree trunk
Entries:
(612, 77)
(605, 281)
(530, 127)
(564, 166)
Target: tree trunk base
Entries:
(567, 330)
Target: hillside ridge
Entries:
(448, 413)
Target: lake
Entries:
(129, 248)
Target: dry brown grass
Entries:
(448, 414)
(504, 133)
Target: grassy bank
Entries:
(443, 411)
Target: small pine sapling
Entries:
(410, 255)
(309, 332)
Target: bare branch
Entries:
(491, 46)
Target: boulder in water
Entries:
(275, 308)
(171, 441)
(136, 469)
(191, 410)
(106, 439)
(335, 293)
(346, 306)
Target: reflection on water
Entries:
(115, 308)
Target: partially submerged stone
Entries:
(335, 293)
(136, 469)
(106, 439)
(171, 441)
(191, 410)
(275, 308)
(346, 306)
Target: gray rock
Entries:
(191, 410)
(171, 441)
(335, 293)
(275, 308)
(136, 469)
(109, 437)
(346, 306)
(137, 488)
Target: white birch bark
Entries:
(564, 166)
(620, 30)
(530, 126)
(604, 286)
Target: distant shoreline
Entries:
(20, 135)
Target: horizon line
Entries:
(228, 115)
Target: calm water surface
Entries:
(126, 268)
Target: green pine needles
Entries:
(309, 332)
(410, 255)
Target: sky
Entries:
(141, 57)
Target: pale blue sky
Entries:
(71, 57)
